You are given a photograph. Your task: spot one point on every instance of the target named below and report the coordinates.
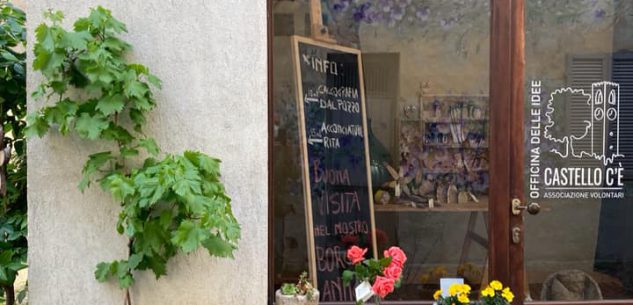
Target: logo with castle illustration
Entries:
(595, 129)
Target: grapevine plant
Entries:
(169, 205)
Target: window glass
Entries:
(579, 111)
(426, 79)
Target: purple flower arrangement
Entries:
(443, 14)
(446, 14)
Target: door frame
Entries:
(511, 261)
(506, 160)
(507, 65)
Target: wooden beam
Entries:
(500, 110)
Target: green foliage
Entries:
(367, 270)
(289, 289)
(13, 206)
(91, 58)
(302, 287)
(169, 205)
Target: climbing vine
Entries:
(169, 205)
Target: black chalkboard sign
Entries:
(335, 153)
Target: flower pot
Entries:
(281, 299)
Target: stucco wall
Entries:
(211, 56)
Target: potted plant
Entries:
(301, 293)
(458, 294)
(496, 294)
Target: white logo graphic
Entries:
(600, 115)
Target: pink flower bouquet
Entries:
(384, 275)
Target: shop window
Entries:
(426, 79)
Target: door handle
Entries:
(532, 208)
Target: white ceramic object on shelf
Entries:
(452, 194)
(281, 299)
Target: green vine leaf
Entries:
(37, 125)
(157, 265)
(90, 127)
(119, 186)
(150, 146)
(75, 40)
(134, 260)
(95, 163)
(44, 37)
(103, 272)
(218, 247)
(188, 236)
(111, 104)
(172, 205)
(126, 281)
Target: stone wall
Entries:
(211, 56)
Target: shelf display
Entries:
(443, 153)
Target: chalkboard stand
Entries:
(296, 40)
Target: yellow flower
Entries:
(437, 294)
(496, 285)
(454, 289)
(488, 292)
(507, 294)
(465, 288)
(463, 298)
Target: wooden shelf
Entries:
(482, 206)
(451, 121)
(467, 207)
(450, 171)
(453, 145)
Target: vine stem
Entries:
(9, 294)
(127, 300)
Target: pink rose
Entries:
(393, 272)
(356, 254)
(397, 256)
(383, 286)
